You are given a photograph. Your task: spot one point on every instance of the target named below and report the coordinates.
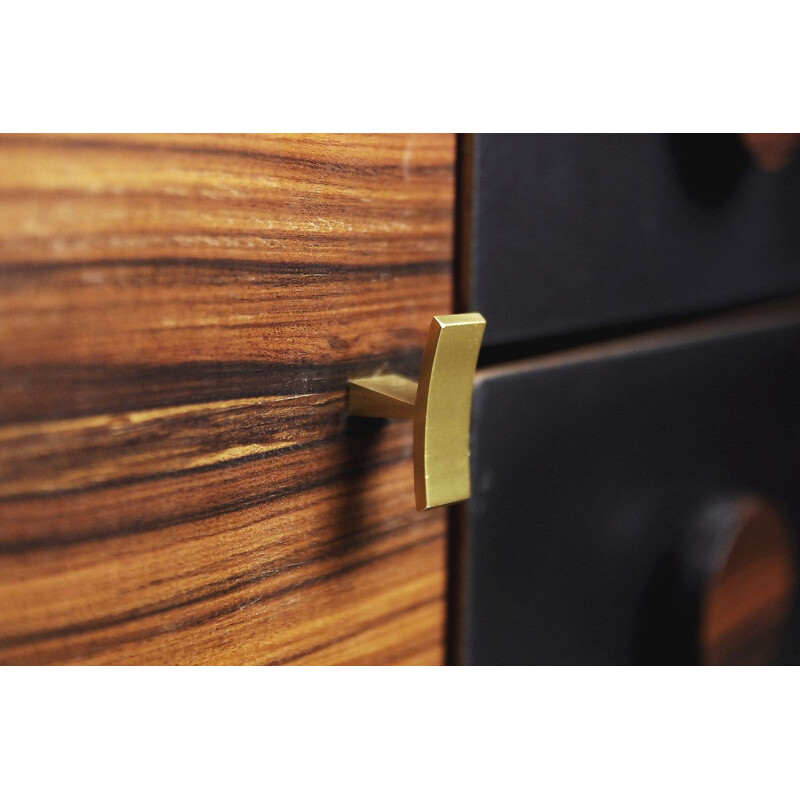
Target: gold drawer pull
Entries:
(439, 404)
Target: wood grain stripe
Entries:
(179, 315)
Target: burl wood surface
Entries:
(179, 482)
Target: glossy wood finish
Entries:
(747, 604)
(179, 315)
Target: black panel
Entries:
(574, 232)
(587, 476)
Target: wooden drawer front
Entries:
(179, 315)
(573, 232)
(590, 473)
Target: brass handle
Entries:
(439, 404)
